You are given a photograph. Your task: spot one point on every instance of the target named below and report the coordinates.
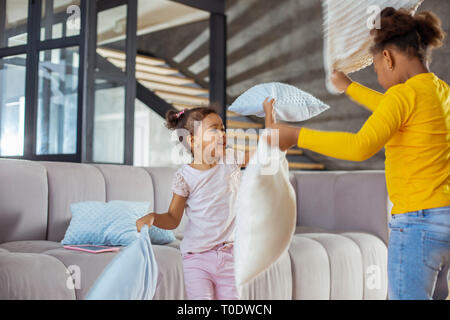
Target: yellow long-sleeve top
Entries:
(412, 121)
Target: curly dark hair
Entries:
(416, 35)
(186, 120)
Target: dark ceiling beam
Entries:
(218, 64)
(103, 5)
(113, 74)
(151, 100)
(212, 6)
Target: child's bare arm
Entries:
(167, 221)
(288, 136)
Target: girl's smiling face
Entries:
(213, 140)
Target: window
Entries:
(12, 105)
(110, 87)
(109, 122)
(13, 23)
(57, 102)
(60, 18)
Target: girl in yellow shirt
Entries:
(412, 121)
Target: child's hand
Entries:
(341, 81)
(269, 110)
(145, 220)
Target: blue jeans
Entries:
(419, 255)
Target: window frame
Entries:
(32, 49)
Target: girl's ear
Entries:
(388, 59)
(190, 140)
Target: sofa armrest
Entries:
(343, 201)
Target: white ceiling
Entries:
(162, 14)
(153, 15)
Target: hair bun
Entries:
(429, 27)
(171, 119)
(394, 23)
(388, 12)
(413, 34)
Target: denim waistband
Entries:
(425, 212)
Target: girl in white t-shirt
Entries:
(205, 190)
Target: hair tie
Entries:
(179, 114)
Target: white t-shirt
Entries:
(211, 196)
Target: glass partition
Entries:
(109, 122)
(174, 65)
(110, 86)
(12, 105)
(57, 102)
(13, 23)
(60, 18)
(67, 96)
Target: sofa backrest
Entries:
(343, 201)
(35, 197)
(23, 201)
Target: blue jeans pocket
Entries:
(397, 224)
(435, 249)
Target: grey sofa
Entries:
(339, 250)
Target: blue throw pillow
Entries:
(112, 224)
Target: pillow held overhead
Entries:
(347, 37)
(291, 103)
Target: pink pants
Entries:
(209, 275)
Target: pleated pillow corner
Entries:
(347, 37)
(265, 214)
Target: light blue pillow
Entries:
(291, 103)
(112, 224)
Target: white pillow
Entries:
(347, 25)
(291, 103)
(265, 215)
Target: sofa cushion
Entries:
(315, 205)
(30, 246)
(89, 265)
(23, 201)
(273, 284)
(374, 259)
(345, 262)
(343, 201)
(170, 279)
(30, 276)
(70, 183)
(127, 183)
(350, 265)
(301, 229)
(310, 269)
(359, 192)
(104, 223)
